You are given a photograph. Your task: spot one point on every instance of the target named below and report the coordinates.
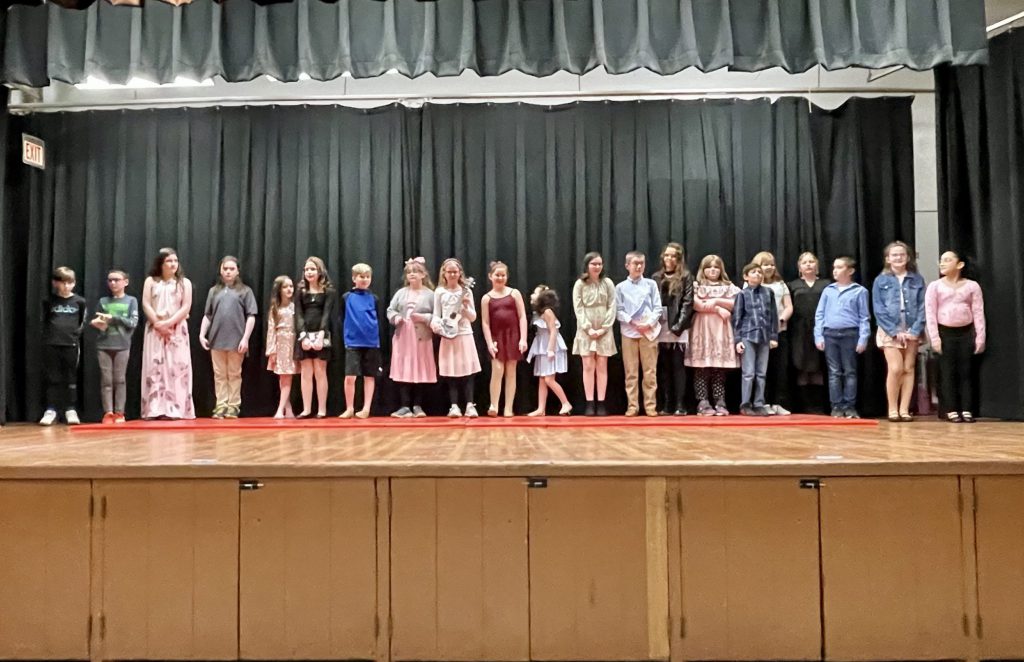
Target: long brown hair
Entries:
(911, 258)
(765, 256)
(587, 259)
(712, 261)
(677, 278)
(157, 268)
(275, 295)
(324, 278)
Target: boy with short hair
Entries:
(361, 331)
(841, 330)
(755, 325)
(638, 309)
(116, 319)
(64, 315)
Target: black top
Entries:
(316, 312)
(679, 313)
(805, 356)
(63, 320)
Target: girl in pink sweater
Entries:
(955, 321)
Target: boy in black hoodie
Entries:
(64, 314)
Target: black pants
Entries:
(411, 394)
(671, 376)
(777, 379)
(61, 366)
(466, 384)
(956, 389)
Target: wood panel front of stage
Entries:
(574, 567)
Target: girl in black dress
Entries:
(316, 304)
(805, 291)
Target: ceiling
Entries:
(997, 10)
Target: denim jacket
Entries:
(885, 299)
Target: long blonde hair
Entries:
(712, 261)
(765, 256)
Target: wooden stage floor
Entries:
(925, 447)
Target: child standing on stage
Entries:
(804, 355)
(897, 297)
(228, 321)
(593, 300)
(64, 314)
(454, 313)
(777, 375)
(711, 349)
(166, 355)
(361, 326)
(281, 341)
(841, 330)
(638, 309)
(504, 322)
(412, 348)
(315, 308)
(955, 312)
(548, 351)
(755, 327)
(116, 319)
(675, 284)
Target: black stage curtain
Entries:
(7, 283)
(981, 204)
(242, 40)
(533, 186)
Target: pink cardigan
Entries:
(955, 306)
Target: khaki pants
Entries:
(637, 351)
(227, 377)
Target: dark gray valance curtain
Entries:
(242, 40)
(536, 187)
(981, 204)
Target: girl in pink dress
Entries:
(166, 354)
(412, 348)
(711, 349)
(504, 322)
(281, 342)
(454, 313)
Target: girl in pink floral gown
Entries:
(166, 355)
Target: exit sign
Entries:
(33, 151)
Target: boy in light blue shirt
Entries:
(841, 330)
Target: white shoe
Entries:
(418, 412)
(781, 411)
(455, 412)
(71, 416)
(49, 416)
(471, 410)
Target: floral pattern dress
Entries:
(167, 360)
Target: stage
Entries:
(553, 446)
(513, 540)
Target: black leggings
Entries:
(956, 388)
(411, 395)
(671, 376)
(466, 383)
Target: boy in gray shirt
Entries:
(116, 319)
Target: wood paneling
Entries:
(44, 569)
(1000, 546)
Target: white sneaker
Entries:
(418, 412)
(49, 416)
(781, 411)
(471, 410)
(71, 416)
(455, 412)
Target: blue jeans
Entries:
(754, 363)
(841, 357)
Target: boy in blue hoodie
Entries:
(361, 330)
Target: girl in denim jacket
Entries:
(897, 297)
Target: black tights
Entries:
(411, 394)
(700, 384)
(466, 383)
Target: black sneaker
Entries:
(747, 410)
(851, 413)
(838, 413)
(762, 411)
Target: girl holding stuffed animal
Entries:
(454, 314)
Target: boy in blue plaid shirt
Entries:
(755, 326)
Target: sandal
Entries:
(954, 417)
(967, 417)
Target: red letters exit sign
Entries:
(33, 151)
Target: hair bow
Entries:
(416, 260)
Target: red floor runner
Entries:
(385, 422)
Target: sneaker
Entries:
(403, 412)
(471, 410)
(71, 416)
(705, 409)
(746, 410)
(455, 412)
(231, 411)
(108, 418)
(851, 413)
(762, 411)
(632, 411)
(838, 412)
(418, 412)
(218, 411)
(720, 410)
(680, 412)
(119, 417)
(779, 410)
(49, 416)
